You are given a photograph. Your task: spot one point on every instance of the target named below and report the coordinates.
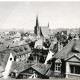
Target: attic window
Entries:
(58, 65)
(31, 71)
(24, 76)
(10, 59)
(21, 49)
(25, 47)
(16, 50)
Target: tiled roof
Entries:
(50, 73)
(71, 48)
(2, 48)
(19, 66)
(76, 46)
(25, 49)
(41, 68)
(65, 51)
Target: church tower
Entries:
(36, 28)
(37, 23)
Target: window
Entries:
(10, 59)
(75, 69)
(20, 56)
(31, 71)
(12, 75)
(57, 67)
(15, 58)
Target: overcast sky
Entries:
(23, 14)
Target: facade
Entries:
(35, 71)
(18, 55)
(66, 63)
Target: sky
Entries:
(22, 15)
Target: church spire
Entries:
(48, 24)
(37, 23)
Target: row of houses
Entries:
(64, 64)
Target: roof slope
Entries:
(76, 46)
(19, 66)
(45, 31)
(65, 51)
(20, 50)
(41, 68)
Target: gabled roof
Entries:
(20, 67)
(77, 55)
(58, 61)
(41, 68)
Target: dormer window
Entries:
(21, 49)
(58, 65)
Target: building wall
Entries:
(74, 61)
(74, 76)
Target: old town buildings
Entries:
(40, 54)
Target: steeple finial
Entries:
(37, 23)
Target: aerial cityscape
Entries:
(44, 52)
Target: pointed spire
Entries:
(37, 24)
(48, 24)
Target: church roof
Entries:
(45, 31)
